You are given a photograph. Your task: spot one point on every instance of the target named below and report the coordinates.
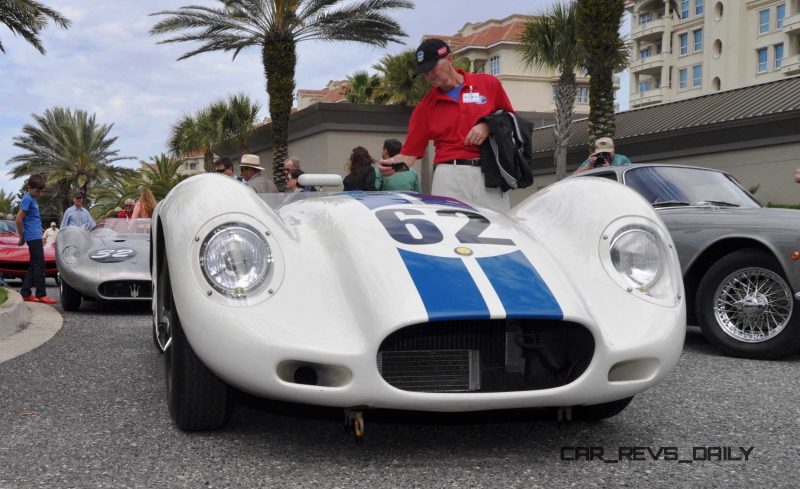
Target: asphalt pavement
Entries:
(87, 409)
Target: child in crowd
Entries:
(29, 227)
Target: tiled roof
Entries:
(333, 93)
(740, 104)
(486, 33)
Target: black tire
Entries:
(70, 298)
(757, 293)
(597, 412)
(198, 400)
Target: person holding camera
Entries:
(404, 178)
(603, 156)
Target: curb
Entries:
(41, 322)
(13, 314)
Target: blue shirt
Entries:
(454, 92)
(32, 222)
(78, 216)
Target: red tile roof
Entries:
(485, 34)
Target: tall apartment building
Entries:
(714, 45)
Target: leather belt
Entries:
(472, 162)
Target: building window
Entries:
(763, 21)
(762, 60)
(644, 86)
(193, 166)
(698, 7)
(683, 77)
(644, 53)
(494, 65)
(645, 18)
(684, 9)
(583, 71)
(778, 56)
(780, 13)
(554, 93)
(697, 76)
(698, 40)
(683, 42)
(582, 95)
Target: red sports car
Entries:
(14, 259)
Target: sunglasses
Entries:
(221, 171)
(78, 198)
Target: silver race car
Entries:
(108, 263)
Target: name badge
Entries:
(474, 98)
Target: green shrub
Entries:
(783, 206)
(3, 295)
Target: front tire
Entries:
(70, 298)
(198, 400)
(746, 307)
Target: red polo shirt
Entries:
(447, 122)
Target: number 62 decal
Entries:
(428, 233)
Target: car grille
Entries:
(485, 355)
(126, 289)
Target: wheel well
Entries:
(160, 249)
(707, 258)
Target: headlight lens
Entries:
(70, 255)
(636, 254)
(235, 260)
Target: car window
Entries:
(692, 186)
(113, 226)
(8, 227)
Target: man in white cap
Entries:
(50, 234)
(251, 170)
(603, 155)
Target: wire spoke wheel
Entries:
(753, 305)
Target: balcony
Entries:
(648, 65)
(638, 5)
(650, 97)
(791, 65)
(791, 24)
(650, 30)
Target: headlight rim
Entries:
(633, 228)
(263, 278)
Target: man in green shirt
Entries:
(603, 156)
(401, 180)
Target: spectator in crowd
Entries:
(291, 163)
(603, 155)
(29, 227)
(361, 173)
(77, 215)
(50, 234)
(294, 182)
(145, 205)
(127, 211)
(448, 114)
(797, 175)
(403, 178)
(253, 173)
(225, 166)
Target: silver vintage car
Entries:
(109, 263)
(740, 261)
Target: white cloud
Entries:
(108, 64)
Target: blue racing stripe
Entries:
(445, 286)
(374, 200)
(520, 288)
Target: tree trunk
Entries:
(565, 103)
(601, 105)
(280, 59)
(208, 162)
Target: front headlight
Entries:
(235, 260)
(70, 255)
(637, 255)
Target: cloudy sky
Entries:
(107, 64)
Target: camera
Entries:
(602, 158)
(399, 167)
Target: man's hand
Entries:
(477, 135)
(797, 175)
(21, 242)
(385, 166)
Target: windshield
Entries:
(7, 226)
(674, 186)
(122, 226)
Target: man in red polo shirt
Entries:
(449, 115)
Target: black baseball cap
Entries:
(429, 53)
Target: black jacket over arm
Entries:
(507, 152)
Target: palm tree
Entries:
(275, 27)
(27, 18)
(400, 85)
(161, 175)
(70, 149)
(239, 120)
(6, 202)
(597, 29)
(200, 132)
(363, 88)
(112, 193)
(549, 42)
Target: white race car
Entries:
(406, 301)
